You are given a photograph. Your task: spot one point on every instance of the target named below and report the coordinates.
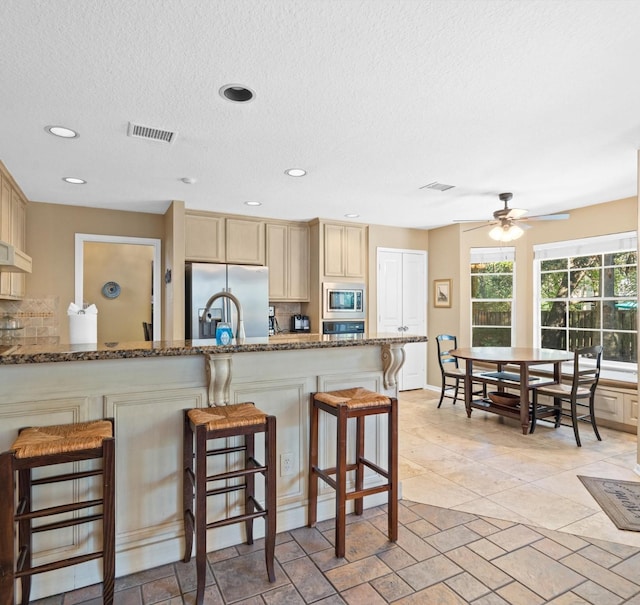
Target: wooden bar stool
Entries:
(216, 423)
(37, 447)
(353, 403)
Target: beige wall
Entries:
(449, 249)
(130, 266)
(51, 230)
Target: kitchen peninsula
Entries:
(145, 386)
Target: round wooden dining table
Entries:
(523, 358)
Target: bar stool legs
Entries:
(46, 446)
(203, 424)
(355, 403)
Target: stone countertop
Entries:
(34, 352)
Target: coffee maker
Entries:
(272, 320)
(300, 323)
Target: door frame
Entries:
(81, 238)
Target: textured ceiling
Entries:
(373, 98)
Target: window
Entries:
(492, 298)
(587, 295)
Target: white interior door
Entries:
(402, 307)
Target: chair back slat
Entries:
(446, 343)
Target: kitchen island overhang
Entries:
(145, 386)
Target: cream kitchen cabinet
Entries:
(204, 239)
(13, 212)
(215, 238)
(245, 241)
(288, 261)
(618, 406)
(345, 250)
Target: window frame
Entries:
(494, 255)
(625, 371)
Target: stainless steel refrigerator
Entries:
(248, 283)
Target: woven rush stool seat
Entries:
(200, 426)
(357, 403)
(37, 447)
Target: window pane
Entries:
(584, 315)
(554, 264)
(491, 337)
(491, 313)
(585, 283)
(554, 339)
(499, 267)
(620, 258)
(491, 286)
(579, 339)
(620, 346)
(553, 285)
(553, 314)
(594, 260)
(619, 314)
(625, 281)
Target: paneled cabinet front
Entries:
(345, 252)
(288, 261)
(245, 241)
(13, 211)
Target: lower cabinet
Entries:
(618, 406)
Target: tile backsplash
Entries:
(38, 316)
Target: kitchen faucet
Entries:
(236, 302)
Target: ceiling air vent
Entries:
(437, 186)
(152, 134)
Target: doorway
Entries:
(121, 276)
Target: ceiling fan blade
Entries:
(515, 213)
(547, 217)
(487, 223)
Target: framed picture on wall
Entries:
(441, 292)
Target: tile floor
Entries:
(489, 516)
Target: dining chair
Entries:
(452, 374)
(580, 393)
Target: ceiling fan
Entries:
(506, 219)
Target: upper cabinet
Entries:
(13, 212)
(345, 250)
(288, 261)
(215, 238)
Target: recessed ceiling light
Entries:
(253, 203)
(62, 131)
(236, 93)
(351, 215)
(73, 180)
(295, 172)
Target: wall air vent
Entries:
(152, 134)
(437, 186)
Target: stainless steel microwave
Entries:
(343, 300)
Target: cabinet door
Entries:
(354, 252)
(204, 238)
(631, 409)
(298, 263)
(5, 232)
(608, 405)
(245, 241)
(333, 251)
(18, 239)
(277, 261)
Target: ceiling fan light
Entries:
(506, 233)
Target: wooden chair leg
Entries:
(313, 464)
(25, 538)
(341, 480)
(7, 546)
(270, 497)
(574, 422)
(187, 488)
(108, 521)
(359, 502)
(250, 479)
(392, 470)
(444, 386)
(592, 416)
(201, 511)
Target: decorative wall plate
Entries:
(111, 289)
